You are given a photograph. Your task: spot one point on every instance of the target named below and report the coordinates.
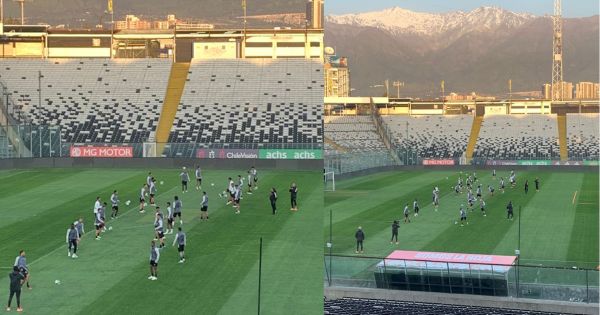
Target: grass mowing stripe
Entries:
(378, 217)
(206, 277)
(584, 235)
(51, 224)
(21, 184)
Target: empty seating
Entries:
(582, 136)
(355, 306)
(431, 136)
(354, 133)
(518, 137)
(251, 101)
(92, 100)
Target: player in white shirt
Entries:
(143, 198)
(254, 173)
(250, 180)
(198, 174)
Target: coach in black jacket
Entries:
(360, 237)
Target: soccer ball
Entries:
(184, 168)
(212, 184)
(455, 222)
(446, 177)
(128, 202)
(145, 204)
(162, 182)
(57, 282)
(110, 228)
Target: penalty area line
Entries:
(574, 196)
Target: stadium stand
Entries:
(356, 306)
(92, 100)
(251, 101)
(432, 136)
(582, 135)
(518, 137)
(353, 133)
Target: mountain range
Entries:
(477, 51)
(222, 12)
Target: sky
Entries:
(571, 8)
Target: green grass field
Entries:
(220, 275)
(559, 224)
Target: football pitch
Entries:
(559, 224)
(220, 274)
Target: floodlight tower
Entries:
(557, 60)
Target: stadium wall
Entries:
(457, 299)
(561, 168)
(145, 163)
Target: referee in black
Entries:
(395, 227)
(294, 196)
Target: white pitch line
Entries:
(574, 196)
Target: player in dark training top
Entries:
(537, 184)
(395, 227)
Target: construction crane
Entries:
(557, 58)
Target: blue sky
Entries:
(571, 8)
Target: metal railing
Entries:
(519, 280)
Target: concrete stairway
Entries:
(561, 120)
(177, 79)
(475, 128)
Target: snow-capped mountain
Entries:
(478, 50)
(398, 20)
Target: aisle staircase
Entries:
(561, 119)
(177, 79)
(475, 128)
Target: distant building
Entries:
(469, 97)
(337, 77)
(315, 14)
(565, 89)
(132, 22)
(587, 90)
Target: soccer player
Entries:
(185, 178)
(526, 186)
(416, 207)
(395, 226)
(114, 200)
(509, 209)
(97, 205)
(482, 206)
(436, 199)
(456, 190)
(470, 199)
(170, 218)
(249, 183)
(16, 281)
(406, 214)
(273, 200)
(254, 173)
(479, 191)
(502, 184)
(177, 210)
(149, 179)
(240, 181)
(181, 240)
(99, 223)
(204, 207)
(494, 173)
(152, 189)
(293, 197)
(236, 198)
(463, 215)
(79, 227)
(537, 184)
(360, 237)
(491, 189)
(159, 228)
(474, 177)
(229, 191)
(513, 180)
(72, 239)
(21, 263)
(143, 198)
(102, 212)
(154, 257)
(198, 174)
